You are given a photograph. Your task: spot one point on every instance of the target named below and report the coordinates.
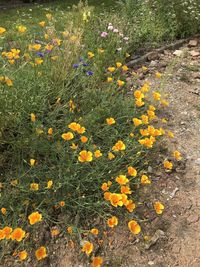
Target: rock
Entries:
(173, 193)
(193, 43)
(197, 161)
(153, 63)
(178, 53)
(194, 53)
(153, 56)
(196, 75)
(151, 263)
(192, 218)
(158, 235)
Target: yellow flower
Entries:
(110, 121)
(144, 68)
(97, 154)
(118, 64)
(76, 127)
(177, 155)
(116, 199)
(67, 136)
(38, 61)
(7, 231)
(145, 119)
(85, 156)
(74, 146)
(3, 211)
(113, 221)
(111, 69)
(156, 96)
(170, 134)
(132, 171)
(69, 230)
(49, 47)
(50, 131)
(87, 248)
(32, 162)
(119, 146)
(46, 36)
(97, 261)
(21, 29)
(138, 94)
(18, 234)
(145, 88)
(148, 142)
(145, 179)
(35, 217)
(134, 227)
(41, 253)
(122, 180)
(34, 186)
(111, 156)
(109, 79)
(120, 83)
(11, 61)
(42, 23)
(90, 55)
(139, 103)
(164, 102)
(33, 117)
(49, 16)
(159, 207)
(84, 139)
(168, 165)
(137, 122)
(124, 68)
(2, 30)
(100, 50)
(22, 255)
(49, 184)
(55, 232)
(158, 75)
(94, 231)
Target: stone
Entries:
(192, 218)
(197, 161)
(193, 43)
(194, 53)
(178, 53)
(153, 56)
(151, 263)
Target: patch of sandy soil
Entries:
(177, 232)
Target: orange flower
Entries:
(132, 171)
(122, 180)
(97, 154)
(137, 122)
(126, 190)
(119, 146)
(107, 195)
(139, 103)
(70, 230)
(134, 227)
(7, 231)
(110, 121)
(67, 136)
(168, 165)
(18, 234)
(41, 253)
(94, 231)
(113, 221)
(145, 179)
(130, 206)
(22, 255)
(84, 139)
(97, 261)
(55, 232)
(159, 207)
(138, 95)
(85, 156)
(104, 187)
(2, 234)
(35, 217)
(145, 119)
(74, 126)
(156, 96)
(3, 211)
(116, 200)
(62, 203)
(120, 83)
(81, 130)
(87, 248)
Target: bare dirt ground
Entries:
(176, 235)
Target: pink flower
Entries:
(116, 30)
(104, 34)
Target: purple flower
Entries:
(40, 54)
(104, 34)
(85, 64)
(75, 66)
(89, 73)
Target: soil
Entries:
(175, 236)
